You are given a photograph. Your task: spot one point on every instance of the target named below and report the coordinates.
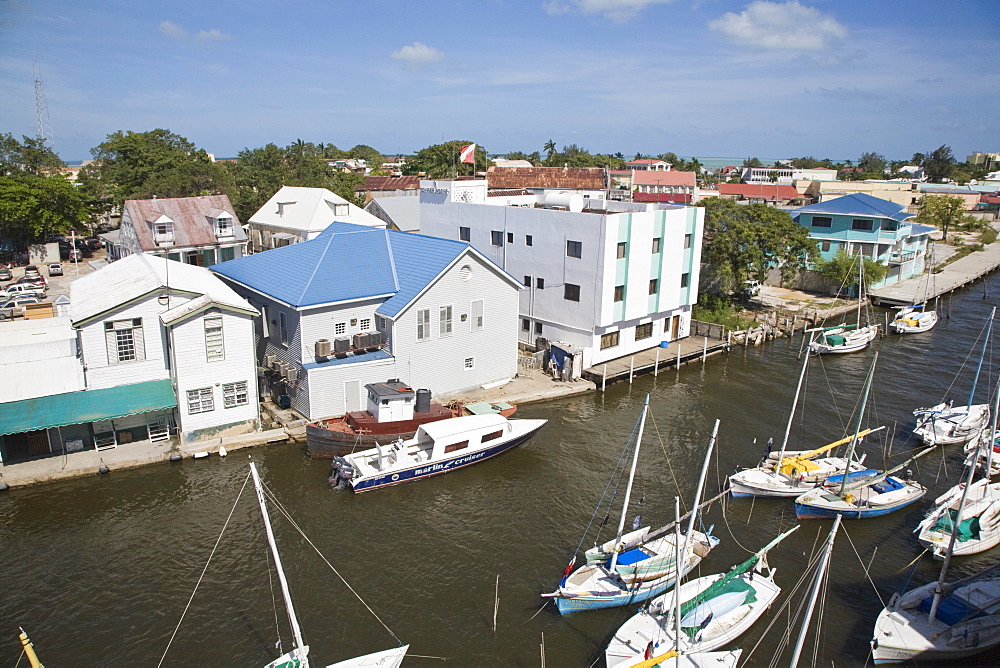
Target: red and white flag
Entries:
(468, 154)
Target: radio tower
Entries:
(42, 111)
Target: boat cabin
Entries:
(391, 401)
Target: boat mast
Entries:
(986, 339)
(701, 484)
(989, 440)
(296, 631)
(631, 477)
(677, 573)
(821, 572)
(861, 278)
(857, 428)
(791, 415)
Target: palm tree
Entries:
(550, 148)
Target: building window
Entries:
(527, 240)
(862, 224)
(822, 221)
(538, 328)
(571, 292)
(366, 324)
(525, 325)
(470, 363)
(643, 331)
(464, 234)
(214, 347)
(496, 238)
(444, 314)
(283, 329)
(826, 246)
(619, 293)
(540, 283)
(890, 226)
(685, 279)
(477, 315)
(200, 401)
(224, 226)
(609, 340)
(340, 328)
(621, 249)
(424, 324)
(574, 249)
(688, 238)
(124, 341)
(235, 394)
(656, 245)
(527, 281)
(654, 284)
(510, 237)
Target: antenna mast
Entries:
(42, 110)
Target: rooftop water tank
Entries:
(571, 201)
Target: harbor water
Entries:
(100, 570)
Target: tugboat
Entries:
(394, 411)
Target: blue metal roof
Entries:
(916, 229)
(858, 204)
(350, 359)
(347, 262)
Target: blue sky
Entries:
(827, 78)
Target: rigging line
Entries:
(619, 466)
(274, 603)
(833, 395)
(863, 565)
(295, 525)
(915, 560)
(731, 535)
(204, 570)
(663, 449)
(539, 610)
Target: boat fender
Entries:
(4, 487)
(103, 469)
(176, 457)
(849, 498)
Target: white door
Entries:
(352, 395)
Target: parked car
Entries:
(35, 280)
(5, 274)
(55, 269)
(74, 255)
(31, 270)
(14, 307)
(22, 290)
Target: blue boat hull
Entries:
(567, 605)
(444, 466)
(806, 512)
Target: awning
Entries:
(60, 410)
(282, 235)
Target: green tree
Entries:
(872, 165)
(32, 207)
(30, 156)
(441, 160)
(549, 148)
(373, 158)
(942, 212)
(746, 241)
(752, 162)
(939, 164)
(842, 269)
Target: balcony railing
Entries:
(901, 257)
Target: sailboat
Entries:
(939, 622)
(946, 424)
(792, 473)
(635, 566)
(916, 318)
(716, 610)
(846, 338)
(969, 510)
(870, 492)
(298, 657)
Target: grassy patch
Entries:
(719, 310)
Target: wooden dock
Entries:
(705, 340)
(956, 275)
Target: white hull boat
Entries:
(913, 320)
(945, 424)
(844, 340)
(979, 528)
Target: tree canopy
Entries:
(842, 269)
(441, 160)
(939, 164)
(942, 212)
(746, 241)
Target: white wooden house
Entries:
(358, 305)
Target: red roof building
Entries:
(676, 186)
(769, 193)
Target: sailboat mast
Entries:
(677, 574)
(986, 339)
(795, 403)
(861, 278)
(857, 428)
(955, 526)
(701, 484)
(821, 572)
(292, 619)
(989, 438)
(631, 477)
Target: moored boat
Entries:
(394, 410)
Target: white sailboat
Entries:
(846, 338)
(946, 424)
(716, 610)
(916, 318)
(299, 656)
(635, 566)
(789, 474)
(969, 510)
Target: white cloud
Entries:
(418, 56)
(213, 35)
(172, 30)
(780, 26)
(618, 11)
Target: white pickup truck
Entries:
(14, 307)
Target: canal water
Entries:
(99, 570)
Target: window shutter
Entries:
(112, 341)
(140, 344)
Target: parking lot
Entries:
(59, 285)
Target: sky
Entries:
(822, 78)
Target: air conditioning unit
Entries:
(279, 368)
(376, 339)
(360, 340)
(291, 373)
(342, 344)
(323, 348)
(269, 361)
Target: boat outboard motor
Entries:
(342, 472)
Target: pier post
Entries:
(631, 368)
(678, 355)
(704, 351)
(604, 378)
(656, 365)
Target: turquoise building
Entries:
(876, 228)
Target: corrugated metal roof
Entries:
(916, 229)
(858, 204)
(344, 263)
(567, 178)
(350, 359)
(767, 191)
(308, 210)
(403, 211)
(376, 183)
(60, 410)
(190, 216)
(671, 178)
(138, 275)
